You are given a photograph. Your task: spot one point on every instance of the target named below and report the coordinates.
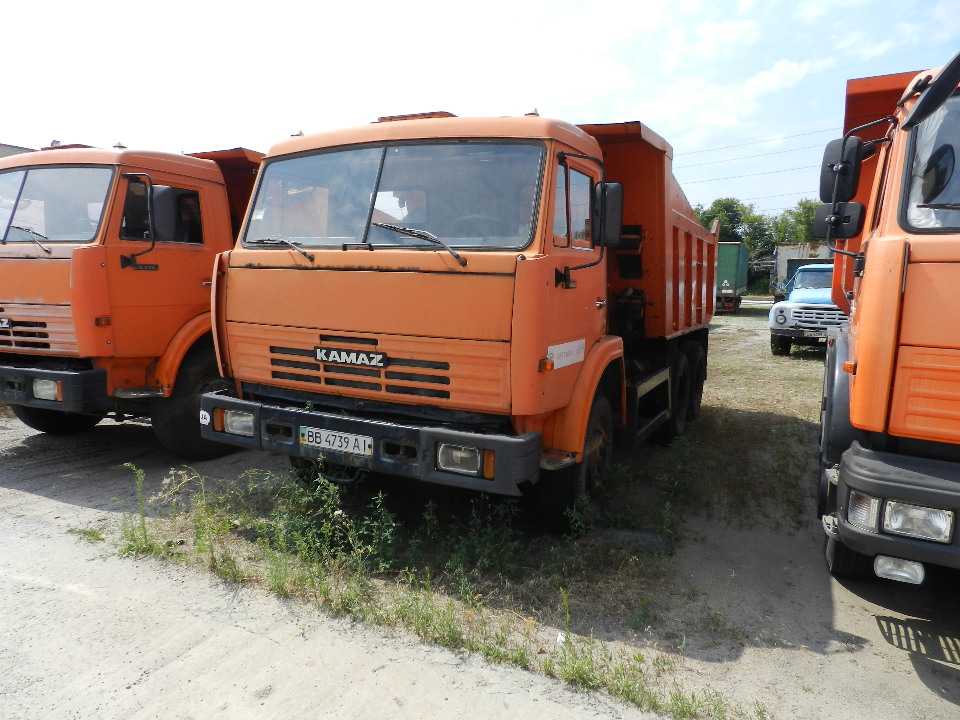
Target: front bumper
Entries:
(81, 391)
(928, 483)
(407, 450)
(811, 335)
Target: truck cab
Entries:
(464, 301)
(808, 311)
(889, 484)
(105, 274)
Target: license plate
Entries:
(815, 333)
(337, 441)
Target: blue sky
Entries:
(746, 91)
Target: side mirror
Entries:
(841, 171)
(845, 223)
(163, 213)
(607, 214)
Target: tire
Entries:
(697, 361)
(842, 562)
(55, 422)
(836, 432)
(561, 494)
(176, 419)
(681, 386)
(780, 345)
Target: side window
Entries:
(135, 224)
(189, 227)
(571, 218)
(136, 215)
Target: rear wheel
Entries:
(55, 422)
(697, 361)
(176, 419)
(780, 345)
(680, 388)
(561, 494)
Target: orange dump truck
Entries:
(106, 259)
(889, 491)
(470, 302)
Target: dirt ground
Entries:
(89, 634)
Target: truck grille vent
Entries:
(25, 335)
(429, 373)
(819, 316)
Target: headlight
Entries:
(46, 390)
(238, 422)
(917, 521)
(780, 319)
(907, 571)
(862, 511)
(459, 459)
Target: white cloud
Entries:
(724, 38)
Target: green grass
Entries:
(471, 573)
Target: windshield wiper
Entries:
(423, 235)
(283, 241)
(35, 236)
(941, 206)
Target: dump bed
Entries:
(868, 99)
(666, 268)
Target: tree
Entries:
(739, 222)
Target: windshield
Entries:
(52, 204)
(933, 185)
(463, 194)
(812, 279)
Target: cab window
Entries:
(571, 219)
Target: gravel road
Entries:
(87, 634)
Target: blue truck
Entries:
(807, 313)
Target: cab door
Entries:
(157, 284)
(576, 302)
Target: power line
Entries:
(798, 192)
(747, 157)
(757, 142)
(737, 177)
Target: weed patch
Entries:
(596, 609)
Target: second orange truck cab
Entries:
(105, 274)
(889, 489)
(471, 302)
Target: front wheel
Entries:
(780, 345)
(176, 419)
(561, 494)
(842, 562)
(55, 422)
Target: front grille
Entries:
(429, 373)
(463, 374)
(820, 316)
(37, 328)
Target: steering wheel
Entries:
(479, 226)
